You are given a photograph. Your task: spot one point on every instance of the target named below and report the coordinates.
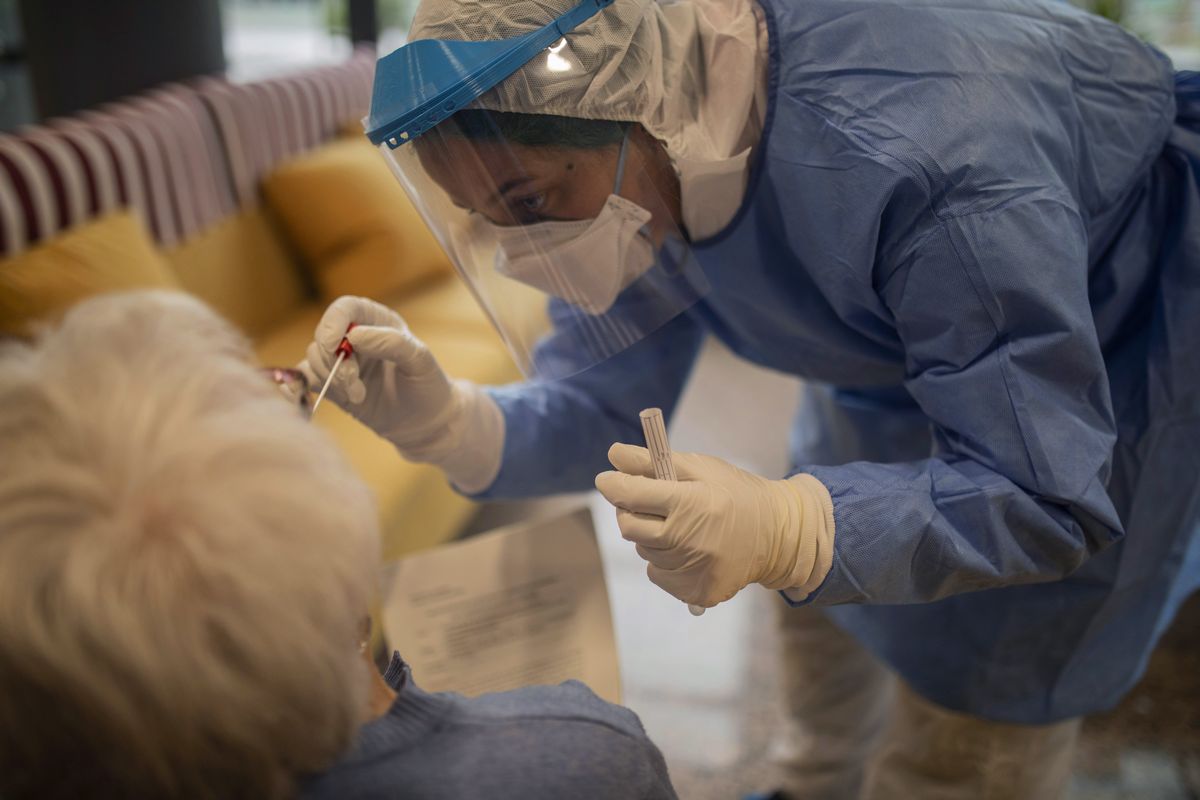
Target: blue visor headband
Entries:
(426, 81)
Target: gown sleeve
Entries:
(558, 432)
(1002, 355)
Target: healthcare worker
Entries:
(973, 229)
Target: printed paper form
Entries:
(521, 605)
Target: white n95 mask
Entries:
(610, 280)
(585, 262)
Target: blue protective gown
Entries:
(976, 230)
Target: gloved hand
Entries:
(394, 385)
(719, 528)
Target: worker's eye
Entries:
(528, 209)
(532, 204)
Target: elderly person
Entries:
(185, 568)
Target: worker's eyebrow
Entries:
(499, 196)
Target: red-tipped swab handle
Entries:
(344, 349)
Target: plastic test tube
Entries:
(655, 431)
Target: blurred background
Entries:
(706, 688)
(244, 39)
(253, 39)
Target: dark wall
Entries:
(16, 96)
(364, 21)
(84, 52)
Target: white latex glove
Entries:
(718, 528)
(393, 385)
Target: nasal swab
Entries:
(344, 349)
(655, 431)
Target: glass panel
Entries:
(271, 37)
(395, 16)
(1171, 25)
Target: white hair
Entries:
(184, 564)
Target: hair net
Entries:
(688, 71)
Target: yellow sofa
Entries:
(225, 243)
(250, 268)
(260, 285)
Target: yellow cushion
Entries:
(417, 507)
(449, 306)
(108, 254)
(241, 268)
(352, 223)
(351, 129)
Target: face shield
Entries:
(566, 230)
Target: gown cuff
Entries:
(821, 527)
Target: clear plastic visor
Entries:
(575, 252)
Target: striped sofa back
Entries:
(157, 154)
(182, 156)
(265, 123)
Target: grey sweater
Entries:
(538, 742)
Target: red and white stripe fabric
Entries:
(183, 157)
(267, 122)
(158, 154)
